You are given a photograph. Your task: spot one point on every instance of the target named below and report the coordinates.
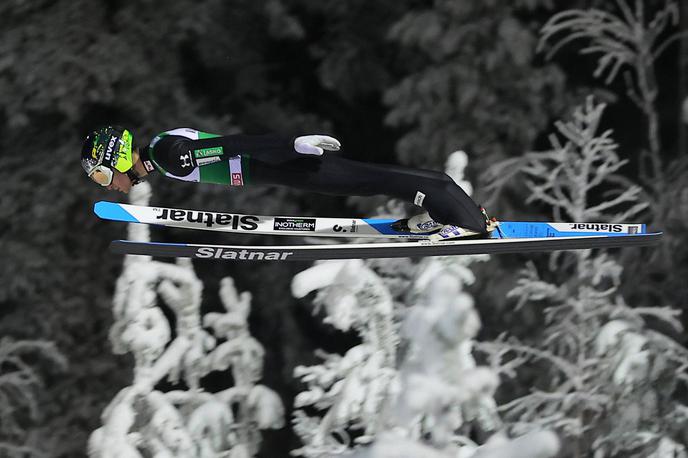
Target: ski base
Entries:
(381, 250)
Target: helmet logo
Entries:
(96, 151)
(110, 147)
(111, 144)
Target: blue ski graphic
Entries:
(337, 227)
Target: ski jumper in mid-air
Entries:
(110, 159)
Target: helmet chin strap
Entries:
(135, 179)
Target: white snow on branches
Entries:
(142, 421)
(607, 377)
(411, 387)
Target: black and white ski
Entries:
(512, 236)
(312, 226)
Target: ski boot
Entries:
(451, 232)
(419, 224)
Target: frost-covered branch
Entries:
(566, 177)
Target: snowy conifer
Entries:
(609, 378)
(412, 387)
(143, 421)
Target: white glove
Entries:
(316, 144)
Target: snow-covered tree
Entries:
(143, 421)
(351, 388)
(607, 378)
(411, 387)
(632, 41)
(628, 40)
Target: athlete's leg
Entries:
(435, 191)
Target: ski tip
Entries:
(113, 211)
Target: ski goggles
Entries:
(101, 175)
(97, 171)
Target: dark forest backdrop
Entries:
(397, 81)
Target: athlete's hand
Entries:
(316, 144)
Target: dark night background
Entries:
(396, 81)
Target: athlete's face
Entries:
(120, 182)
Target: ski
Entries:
(380, 250)
(334, 227)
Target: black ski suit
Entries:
(238, 160)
